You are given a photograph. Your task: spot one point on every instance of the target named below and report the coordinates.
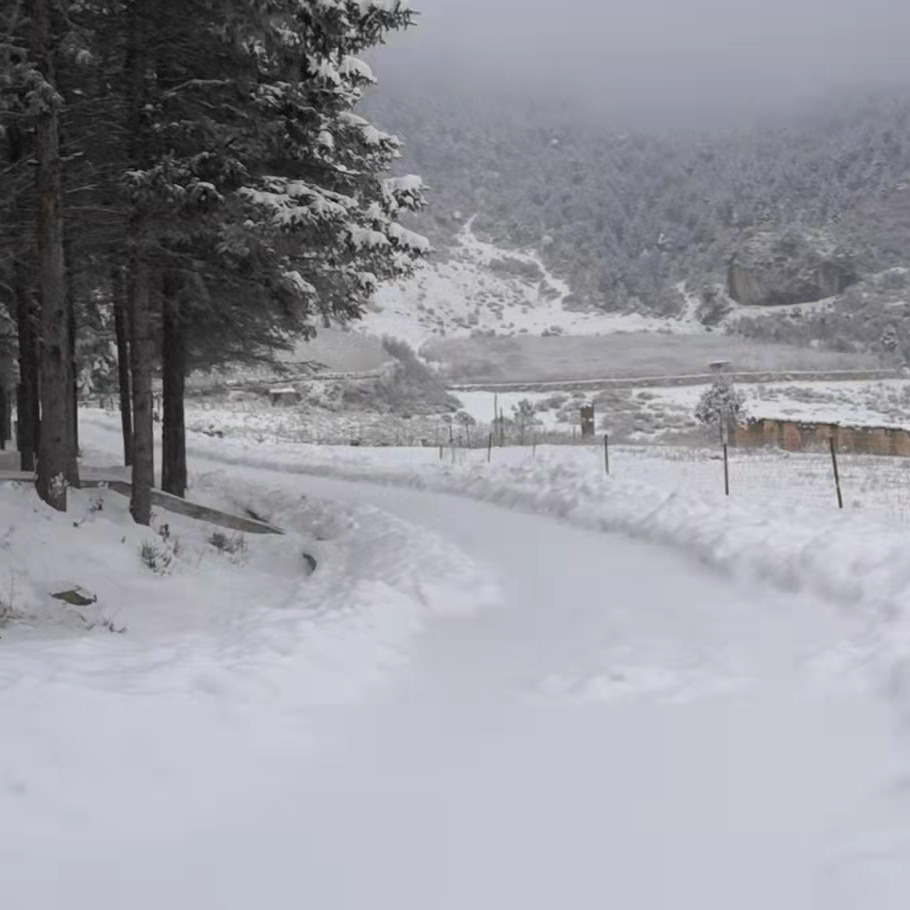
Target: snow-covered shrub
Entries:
(411, 387)
(159, 556)
(524, 417)
(714, 306)
(511, 266)
(233, 546)
(721, 406)
(8, 613)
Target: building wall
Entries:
(794, 436)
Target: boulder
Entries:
(794, 268)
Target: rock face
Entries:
(796, 268)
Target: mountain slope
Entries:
(623, 217)
(476, 288)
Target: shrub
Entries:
(721, 406)
(410, 388)
(231, 545)
(159, 556)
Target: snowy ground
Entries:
(480, 286)
(468, 292)
(664, 700)
(768, 480)
(623, 355)
(648, 414)
(658, 409)
(875, 403)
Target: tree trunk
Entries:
(72, 474)
(4, 418)
(27, 408)
(141, 356)
(173, 458)
(122, 332)
(140, 334)
(54, 451)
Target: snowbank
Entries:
(854, 561)
(150, 702)
(840, 556)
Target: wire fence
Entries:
(762, 477)
(768, 478)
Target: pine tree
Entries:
(223, 197)
(721, 406)
(17, 222)
(56, 453)
(281, 213)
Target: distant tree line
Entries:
(182, 183)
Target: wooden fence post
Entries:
(607, 452)
(726, 471)
(490, 447)
(840, 497)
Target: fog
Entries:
(657, 59)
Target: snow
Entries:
(410, 184)
(794, 310)
(117, 747)
(408, 239)
(771, 534)
(850, 403)
(480, 406)
(319, 204)
(354, 68)
(366, 238)
(662, 700)
(300, 283)
(662, 410)
(466, 293)
(370, 135)
(694, 756)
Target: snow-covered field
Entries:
(878, 403)
(481, 287)
(647, 414)
(663, 699)
(765, 479)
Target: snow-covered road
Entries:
(607, 723)
(625, 729)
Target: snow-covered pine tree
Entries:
(721, 406)
(17, 219)
(226, 198)
(56, 451)
(286, 216)
(324, 197)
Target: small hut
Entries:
(285, 396)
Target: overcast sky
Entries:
(660, 56)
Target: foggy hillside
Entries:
(625, 215)
(739, 150)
